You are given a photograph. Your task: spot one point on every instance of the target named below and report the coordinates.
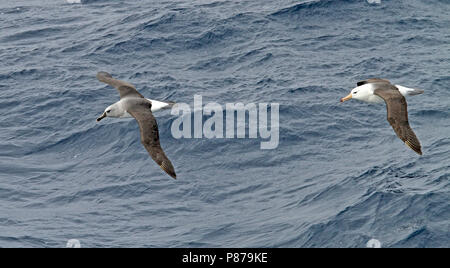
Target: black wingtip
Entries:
(169, 169)
(414, 147)
(173, 175)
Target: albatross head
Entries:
(360, 93)
(110, 111)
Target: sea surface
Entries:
(338, 178)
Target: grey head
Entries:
(126, 90)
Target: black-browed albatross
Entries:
(132, 103)
(379, 90)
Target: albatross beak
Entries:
(349, 96)
(101, 117)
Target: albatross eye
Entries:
(108, 111)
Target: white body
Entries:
(117, 110)
(365, 93)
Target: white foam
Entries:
(373, 243)
(73, 243)
(74, 1)
(374, 1)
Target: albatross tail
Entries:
(160, 105)
(406, 91)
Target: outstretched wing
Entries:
(140, 109)
(125, 89)
(372, 80)
(397, 115)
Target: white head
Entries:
(360, 93)
(111, 111)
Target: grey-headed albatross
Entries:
(133, 104)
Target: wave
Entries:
(355, 221)
(310, 7)
(87, 1)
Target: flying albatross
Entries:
(377, 90)
(133, 104)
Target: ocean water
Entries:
(339, 177)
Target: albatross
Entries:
(133, 104)
(376, 90)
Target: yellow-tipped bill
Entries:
(349, 96)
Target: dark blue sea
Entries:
(338, 178)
